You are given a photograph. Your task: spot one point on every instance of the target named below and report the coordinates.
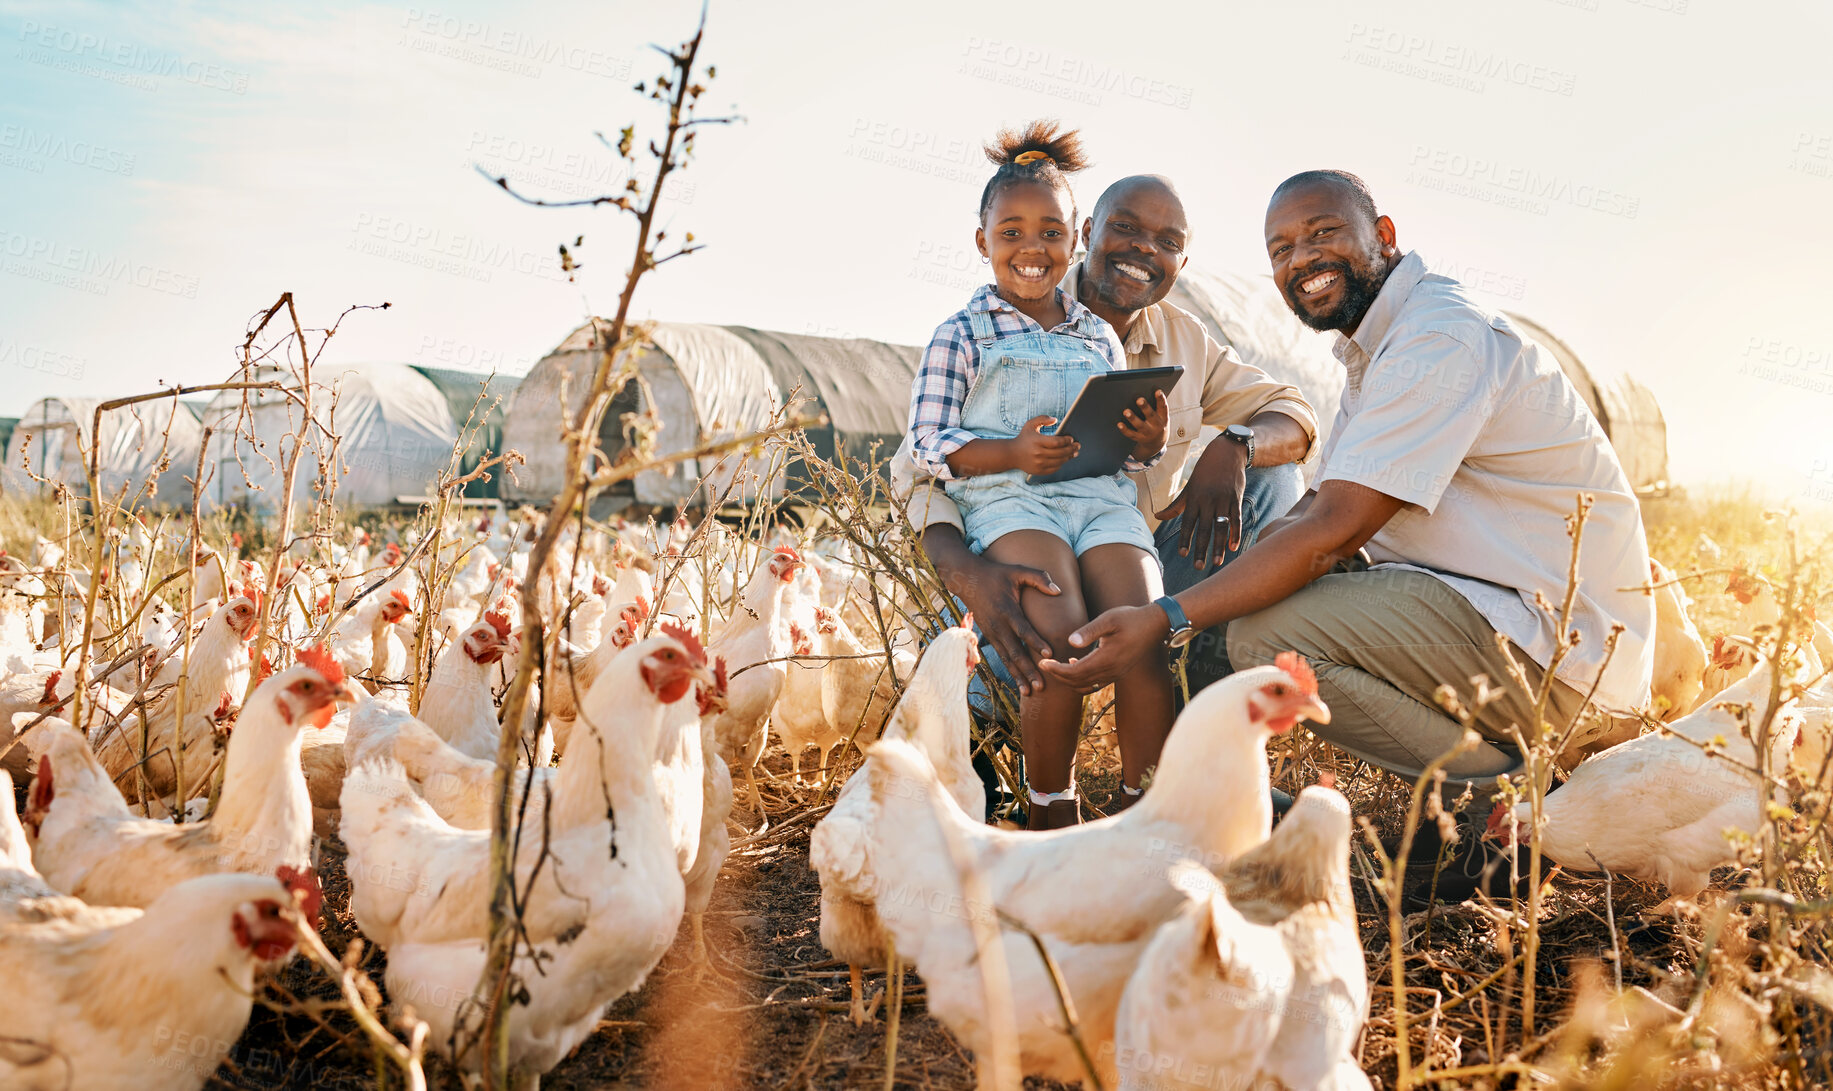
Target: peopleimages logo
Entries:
(18, 140)
(84, 269)
(1511, 184)
(1064, 75)
(134, 64)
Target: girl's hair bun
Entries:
(1036, 144)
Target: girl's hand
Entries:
(1145, 424)
(1036, 453)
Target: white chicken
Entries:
(367, 642)
(1659, 807)
(715, 842)
(90, 845)
(105, 999)
(217, 652)
(575, 674)
(754, 645)
(598, 919)
(933, 717)
(1209, 802)
(457, 701)
(798, 718)
(857, 692)
(1259, 981)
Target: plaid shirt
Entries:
(952, 360)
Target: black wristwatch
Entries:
(1181, 629)
(1243, 435)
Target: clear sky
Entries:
(1648, 178)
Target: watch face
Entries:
(1181, 638)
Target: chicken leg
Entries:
(757, 798)
(698, 956)
(859, 1000)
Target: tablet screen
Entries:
(1094, 420)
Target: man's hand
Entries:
(1145, 424)
(1212, 497)
(990, 591)
(1036, 453)
(1120, 638)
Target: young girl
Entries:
(996, 373)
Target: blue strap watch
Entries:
(1181, 630)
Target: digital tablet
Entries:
(1094, 420)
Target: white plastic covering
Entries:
(54, 433)
(704, 382)
(395, 428)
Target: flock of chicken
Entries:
(166, 847)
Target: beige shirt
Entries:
(1453, 411)
(1217, 389)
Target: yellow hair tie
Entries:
(1032, 156)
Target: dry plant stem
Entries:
(1065, 1003)
(894, 1008)
(405, 1057)
(1392, 887)
(1540, 768)
(579, 440)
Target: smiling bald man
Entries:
(1459, 451)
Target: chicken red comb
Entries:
(719, 675)
(400, 596)
(688, 640)
(320, 659)
(266, 671)
(601, 586)
(1326, 779)
(51, 681)
(499, 623)
(790, 552)
(1301, 672)
(1497, 827)
(642, 607)
(44, 792)
(303, 882)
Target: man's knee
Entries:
(1253, 640)
(1270, 493)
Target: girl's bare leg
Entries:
(1048, 719)
(1124, 575)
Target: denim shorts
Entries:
(1082, 521)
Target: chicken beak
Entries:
(347, 693)
(1314, 709)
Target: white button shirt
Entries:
(1453, 411)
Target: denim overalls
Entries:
(1025, 375)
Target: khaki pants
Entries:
(1381, 641)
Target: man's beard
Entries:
(1360, 287)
